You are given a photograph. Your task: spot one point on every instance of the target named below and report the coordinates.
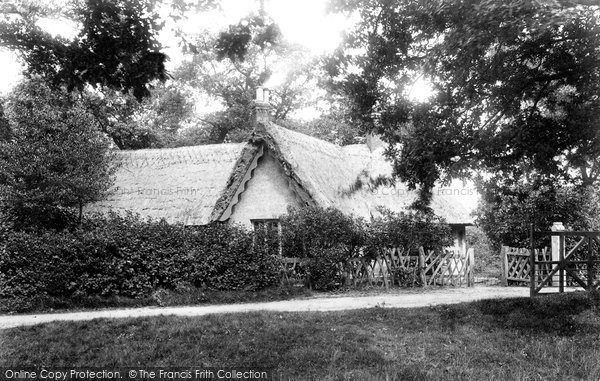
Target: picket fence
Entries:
(396, 268)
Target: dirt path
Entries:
(402, 299)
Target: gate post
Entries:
(532, 275)
(556, 253)
(504, 256)
(471, 256)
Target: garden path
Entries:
(400, 298)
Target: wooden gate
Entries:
(447, 267)
(578, 255)
(516, 266)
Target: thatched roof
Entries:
(178, 184)
(328, 172)
(197, 185)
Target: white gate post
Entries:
(556, 226)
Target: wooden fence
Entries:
(397, 268)
(447, 268)
(516, 265)
(575, 263)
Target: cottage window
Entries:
(268, 232)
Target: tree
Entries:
(4, 125)
(231, 65)
(154, 122)
(116, 46)
(331, 126)
(516, 88)
(506, 213)
(56, 159)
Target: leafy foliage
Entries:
(325, 236)
(331, 127)
(254, 30)
(407, 231)
(126, 256)
(116, 46)
(154, 122)
(226, 258)
(308, 230)
(230, 66)
(55, 161)
(515, 86)
(505, 217)
(323, 271)
(328, 237)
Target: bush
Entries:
(307, 231)
(323, 271)
(328, 237)
(325, 236)
(226, 259)
(505, 214)
(126, 256)
(408, 231)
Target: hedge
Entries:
(126, 256)
(327, 237)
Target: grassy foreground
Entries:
(548, 338)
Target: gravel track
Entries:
(398, 299)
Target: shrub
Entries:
(328, 237)
(325, 236)
(307, 231)
(408, 231)
(407, 277)
(126, 256)
(506, 214)
(323, 271)
(226, 259)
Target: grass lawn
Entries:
(551, 337)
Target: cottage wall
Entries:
(267, 194)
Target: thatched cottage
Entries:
(254, 182)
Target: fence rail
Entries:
(396, 268)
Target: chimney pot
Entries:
(262, 109)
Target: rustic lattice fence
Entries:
(516, 265)
(292, 269)
(397, 268)
(447, 268)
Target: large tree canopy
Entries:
(116, 46)
(230, 65)
(516, 87)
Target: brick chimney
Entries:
(263, 107)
